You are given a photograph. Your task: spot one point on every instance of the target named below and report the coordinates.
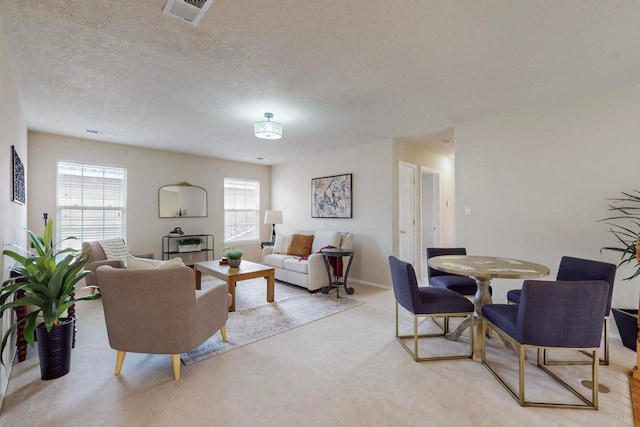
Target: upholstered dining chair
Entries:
(160, 311)
(551, 315)
(461, 284)
(579, 269)
(426, 301)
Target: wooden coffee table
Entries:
(247, 270)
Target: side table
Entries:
(333, 261)
(265, 244)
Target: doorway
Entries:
(429, 214)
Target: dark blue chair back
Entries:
(431, 252)
(576, 269)
(405, 284)
(561, 313)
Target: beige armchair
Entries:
(159, 311)
(98, 258)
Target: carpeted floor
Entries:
(292, 307)
(342, 370)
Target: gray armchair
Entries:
(160, 311)
(98, 258)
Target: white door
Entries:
(407, 211)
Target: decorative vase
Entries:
(54, 349)
(234, 262)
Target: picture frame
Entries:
(18, 189)
(331, 196)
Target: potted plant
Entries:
(46, 277)
(190, 244)
(234, 256)
(625, 226)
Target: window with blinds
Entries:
(241, 210)
(91, 203)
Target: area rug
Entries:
(251, 324)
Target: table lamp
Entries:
(273, 218)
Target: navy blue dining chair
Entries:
(551, 315)
(425, 301)
(579, 269)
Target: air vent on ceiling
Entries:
(187, 10)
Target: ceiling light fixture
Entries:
(266, 129)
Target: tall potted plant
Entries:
(625, 226)
(47, 278)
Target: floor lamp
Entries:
(273, 218)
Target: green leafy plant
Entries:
(48, 277)
(625, 226)
(191, 241)
(233, 254)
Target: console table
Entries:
(170, 246)
(333, 260)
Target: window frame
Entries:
(255, 212)
(88, 233)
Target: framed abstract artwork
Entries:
(18, 189)
(331, 197)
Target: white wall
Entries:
(371, 166)
(147, 170)
(537, 181)
(13, 216)
(375, 200)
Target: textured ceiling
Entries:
(334, 73)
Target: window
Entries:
(241, 210)
(91, 203)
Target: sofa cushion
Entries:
(297, 265)
(276, 260)
(324, 238)
(281, 245)
(300, 245)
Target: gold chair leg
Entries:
(223, 332)
(120, 361)
(175, 359)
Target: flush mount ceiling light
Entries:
(266, 129)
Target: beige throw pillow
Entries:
(281, 245)
(135, 263)
(300, 245)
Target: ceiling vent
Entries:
(187, 10)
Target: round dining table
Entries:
(483, 269)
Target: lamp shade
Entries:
(266, 129)
(273, 217)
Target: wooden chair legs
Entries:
(120, 361)
(175, 358)
(175, 361)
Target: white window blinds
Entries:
(241, 210)
(91, 203)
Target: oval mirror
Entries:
(182, 201)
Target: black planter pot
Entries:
(54, 349)
(627, 322)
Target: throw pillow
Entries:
(114, 249)
(324, 238)
(300, 245)
(281, 245)
(135, 263)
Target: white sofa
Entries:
(309, 273)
